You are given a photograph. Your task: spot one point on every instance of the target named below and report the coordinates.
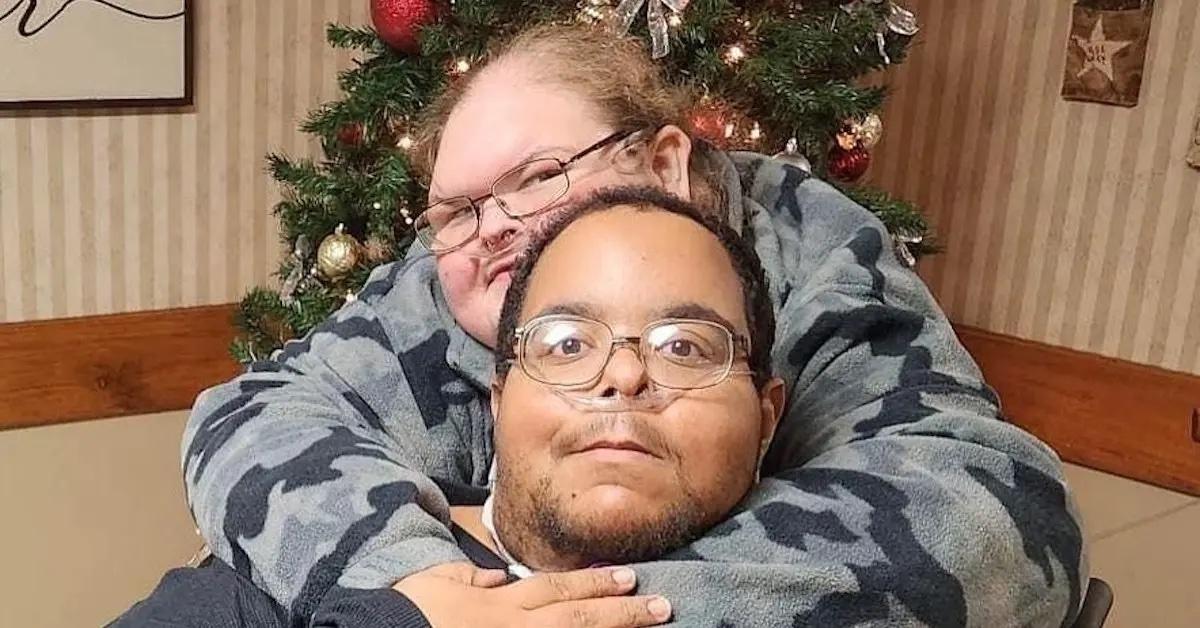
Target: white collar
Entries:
(514, 566)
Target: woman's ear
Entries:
(497, 391)
(670, 153)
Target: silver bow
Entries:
(902, 21)
(903, 238)
(656, 18)
(296, 277)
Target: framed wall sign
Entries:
(1106, 51)
(95, 53)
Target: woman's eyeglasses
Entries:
(527, 189)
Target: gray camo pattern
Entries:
(897, 496)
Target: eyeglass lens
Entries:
(676, 354)
(522, 191)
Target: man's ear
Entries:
(670, 153)
(771, 397)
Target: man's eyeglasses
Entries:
(567, 350)
(527, 189)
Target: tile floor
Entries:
(1145, 542)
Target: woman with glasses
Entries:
(323, 473)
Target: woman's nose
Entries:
(497, 230)
(624, 375)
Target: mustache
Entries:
(652, 401)
(626, 426)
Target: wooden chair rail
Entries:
(93, 367)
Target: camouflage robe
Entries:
(897, 495)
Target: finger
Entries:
(583, 584)
(488, 578)
(609, 612)
(458, 571)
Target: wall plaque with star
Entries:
(1106, 51)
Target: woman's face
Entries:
(506, 119)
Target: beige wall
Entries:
(93, 515)
(127, 211)
(1070, 223)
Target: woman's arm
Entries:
(312, 468)
(898, 496)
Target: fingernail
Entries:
(660, 608)
(624, 576)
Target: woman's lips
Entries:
(498, 269)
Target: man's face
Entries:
(571, 489)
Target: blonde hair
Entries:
(614, 73)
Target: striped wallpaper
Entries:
(114, 211)
(1069, 223)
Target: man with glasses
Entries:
(633, 398)
(634, 402)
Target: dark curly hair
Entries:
(760, 315)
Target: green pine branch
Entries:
(798, 80)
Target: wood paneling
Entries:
(1135, 421)
(93, 367)
(1129, 419)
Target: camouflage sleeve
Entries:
(311, 469)
(898, 496)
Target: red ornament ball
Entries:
(351, 134)
(398, 21)
(709, 123)
(723, 125)
(848, 165)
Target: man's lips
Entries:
(617, 444)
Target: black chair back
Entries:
(1097, 602)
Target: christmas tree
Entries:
(776, 76)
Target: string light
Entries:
(735, 54)
(755, 133)
(460, 67)
(674, 21)
(406, 142)
(407, 217)
(596, 12)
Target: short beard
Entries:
(540, 531)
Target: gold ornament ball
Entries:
(338, 254)
(869, 130)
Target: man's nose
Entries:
(624, 375)
(496, 228)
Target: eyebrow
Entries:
(536, 152)
(691, 309)
(573, 308)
